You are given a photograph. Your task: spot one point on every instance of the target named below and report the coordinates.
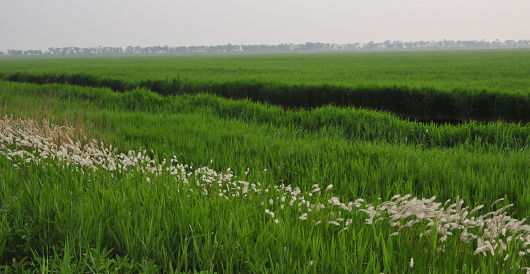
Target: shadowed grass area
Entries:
(419, 104)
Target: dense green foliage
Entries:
(349, 123)
(55, 218)
(424, 105)
(361, 152)
(59, 220)
(420, 98)
(491, 70)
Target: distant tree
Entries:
(306, 47)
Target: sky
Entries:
(40, 24)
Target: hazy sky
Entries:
(39, 24)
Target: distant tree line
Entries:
(280, 48)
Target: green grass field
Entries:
(60, 218)
(427, 86)
(497, 71)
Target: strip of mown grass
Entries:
(58, 219)
(415, 104)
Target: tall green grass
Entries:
(437, 86)
(58, 219)
(421, 104)
(492, 70)
(347, 123)
(372, 160)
